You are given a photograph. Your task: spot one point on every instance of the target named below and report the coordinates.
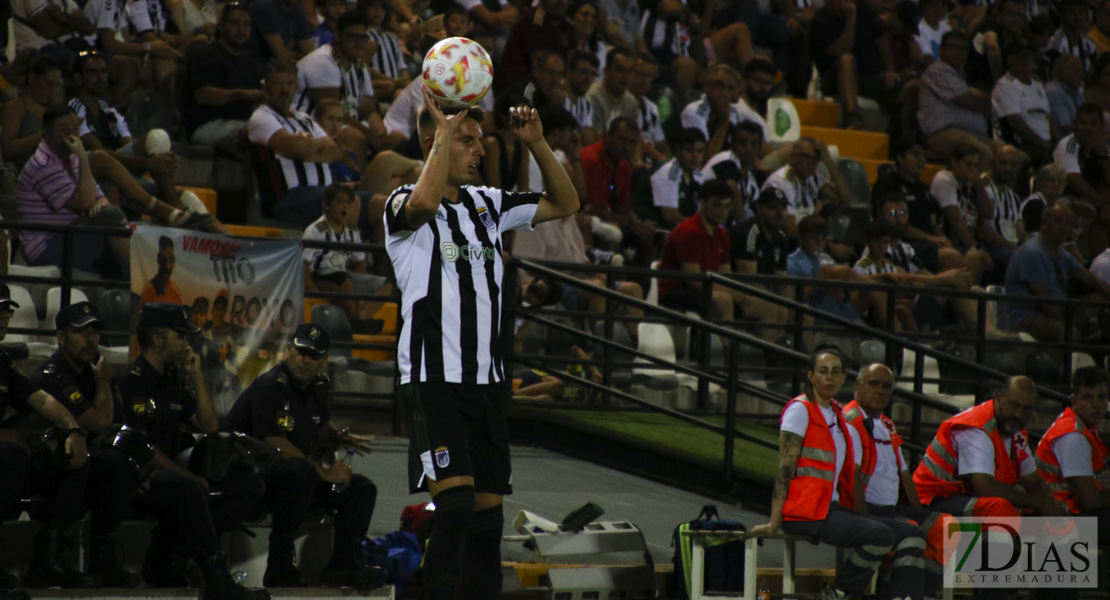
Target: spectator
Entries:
(672, 193)
(152, 21)
(50, 28)
(113, 36)
(811, 260)
(582, 68)
(400, 119)
(1019, 106)
(739, 168)
(949, 111)
(759, 80)
(331, 10)
(701, 245)
(1049, 186)
(1100, 33)
(1072, 35)
(584, 15)
(544, 27)
(1085, 156)
(759, 247)
(544, 86)
(161, 288)
(717, 111)
(850, 47)
(1098, 89)
(281, 31)
(387, 66)
(57, 187)
(999, 228)
(915, 271)
(908, 153)
(538, 385)
(335, 71)
(932, 27)
(1008, 24)
(801, 183)
(21, 118)
(223, 84)
(609, 95)
(343, 271)
(622, 24)
(1065, 91)
(1040, 270)
(197, 16)
(609, 185)
(105, 128)
(380, 176)
(654, 146)
(952, 191)
(1100, 266)
(505, 164)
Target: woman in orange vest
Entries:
(816, 486)
(1071, 454)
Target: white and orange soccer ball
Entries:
(458, 72)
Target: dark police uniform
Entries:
(273, 407)
(61, 488)
(160, 405)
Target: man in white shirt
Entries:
(719, 109)
(1019, 105)
(802, 184)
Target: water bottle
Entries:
(339, 487)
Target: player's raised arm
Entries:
(433, 184)
(560, 198)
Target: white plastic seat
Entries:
(24, 316)
(653, 291)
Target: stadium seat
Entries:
(856, 177)
(875, 168)
(149, 110)
(115, 309)
(254, 231)
(333, 319)
(621, 376)
(852, 144)
(817, 114)
(656, 341)
(389, 313)
(54, 304)
(872, 351)
(929, 172)
(24, 317)
(1080, 360)
(846, 224)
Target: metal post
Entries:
(730, 409)
(607, 352)
(706, 344)
(799, 339)
(67, 266)
(980, 340)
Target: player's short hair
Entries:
(426, 125)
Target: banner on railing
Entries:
(247, 296)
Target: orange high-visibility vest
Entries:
(855, 416)
(1048, 466)
(936, 476)
(811, 489)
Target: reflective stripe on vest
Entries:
(811, 488)
(1048, 464)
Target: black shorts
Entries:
(456, 430)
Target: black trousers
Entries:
(187, 515)
(293, 487)
(62, 490)
(112, 484)
(15, 463)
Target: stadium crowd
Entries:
(660, 111)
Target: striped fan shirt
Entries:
(148, 15)
(667, 35)
(651, 128)
(265, 122)
(105, 14)
(319, 69)
(1007, 210)
(801, 195)
(46, 184)
(726, 165)
(582, 109)
(449, 271)
(388, 60)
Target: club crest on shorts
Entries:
(443, 457)
(486, 218)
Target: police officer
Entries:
(82, 381)
(21, 475)
(157, 399)
(287, 407)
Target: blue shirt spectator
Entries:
(1032, 263)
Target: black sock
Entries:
(481, 574)
(454, 507)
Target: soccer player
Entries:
(444, 238)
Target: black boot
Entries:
(352, 575)
(281, 569)
(159, 568)
(218, 584)
(104, 563)
(48, 566)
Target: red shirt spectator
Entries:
(688, 242)
(608, 183)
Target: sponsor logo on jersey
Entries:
(452, 252)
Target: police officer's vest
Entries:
(1048, 466)
(869, 458)
(811, 489)
(936, 476)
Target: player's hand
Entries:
(74, 144)
(76, 450)
(447, 123)
(338, 473)
(353, 441)
(525, 124)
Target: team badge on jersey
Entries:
(397, 203)
(486, 218)
(285, 421)
(443, 457)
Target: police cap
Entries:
(78, 314)
(6, 298)
(177, 317)
(312, 338)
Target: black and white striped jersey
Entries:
(265, 122)
(388, 60)
(449, 271)
(319, 69)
